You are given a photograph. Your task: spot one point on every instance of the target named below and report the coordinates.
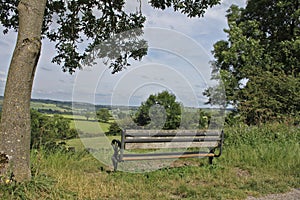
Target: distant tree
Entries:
(189, 120)
(196, 119)
(114, 129)
(89, 115)
(74, 22)
(159, 111)
(121, 115)
(127, 123)
(103, 115)
(259, 63)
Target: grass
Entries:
(90, 142)
(256, 161)
(86, 127)
(92, 127)
(75, 117)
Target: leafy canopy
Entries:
(159, 111)
(103, 115)
(47, 130)
(102, 26)
(259, 64)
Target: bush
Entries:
(242, 134)
(47, 130)
(114, 129)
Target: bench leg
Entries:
(115, 162)
(116, 144)
(210, 160)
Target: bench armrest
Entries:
(220, 145)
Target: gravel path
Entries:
(292, 195)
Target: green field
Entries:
(75, 117)
(89, 130)
(90, 126)
(93, 127)
(48, 106)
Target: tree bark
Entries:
(15, 121)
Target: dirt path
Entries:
(292, 195)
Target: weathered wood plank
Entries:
(157, 133)
(169, 145)
(170, 139)
(152, 157)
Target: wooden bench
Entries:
(177, 143)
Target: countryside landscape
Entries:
(257, 160)
(216, 79)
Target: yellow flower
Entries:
(7, 181)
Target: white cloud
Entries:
(2, 73)
(179, 62)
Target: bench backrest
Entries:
(158, 139)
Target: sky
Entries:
(178, 61)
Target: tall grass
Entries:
(272, 146)
(256, 161)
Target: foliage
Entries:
(204, 119)
(233, 118)
(126, 122)
(114, 129)
(196, 119)
(159, 111)
(103, 115)
(89, 115)
(269, 133)
(189, 120)
(106, 33)
(45, 130)
(191, 8)
(259, 63)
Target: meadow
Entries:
(256, 161)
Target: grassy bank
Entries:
(256, 161)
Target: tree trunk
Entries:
(15, 121)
